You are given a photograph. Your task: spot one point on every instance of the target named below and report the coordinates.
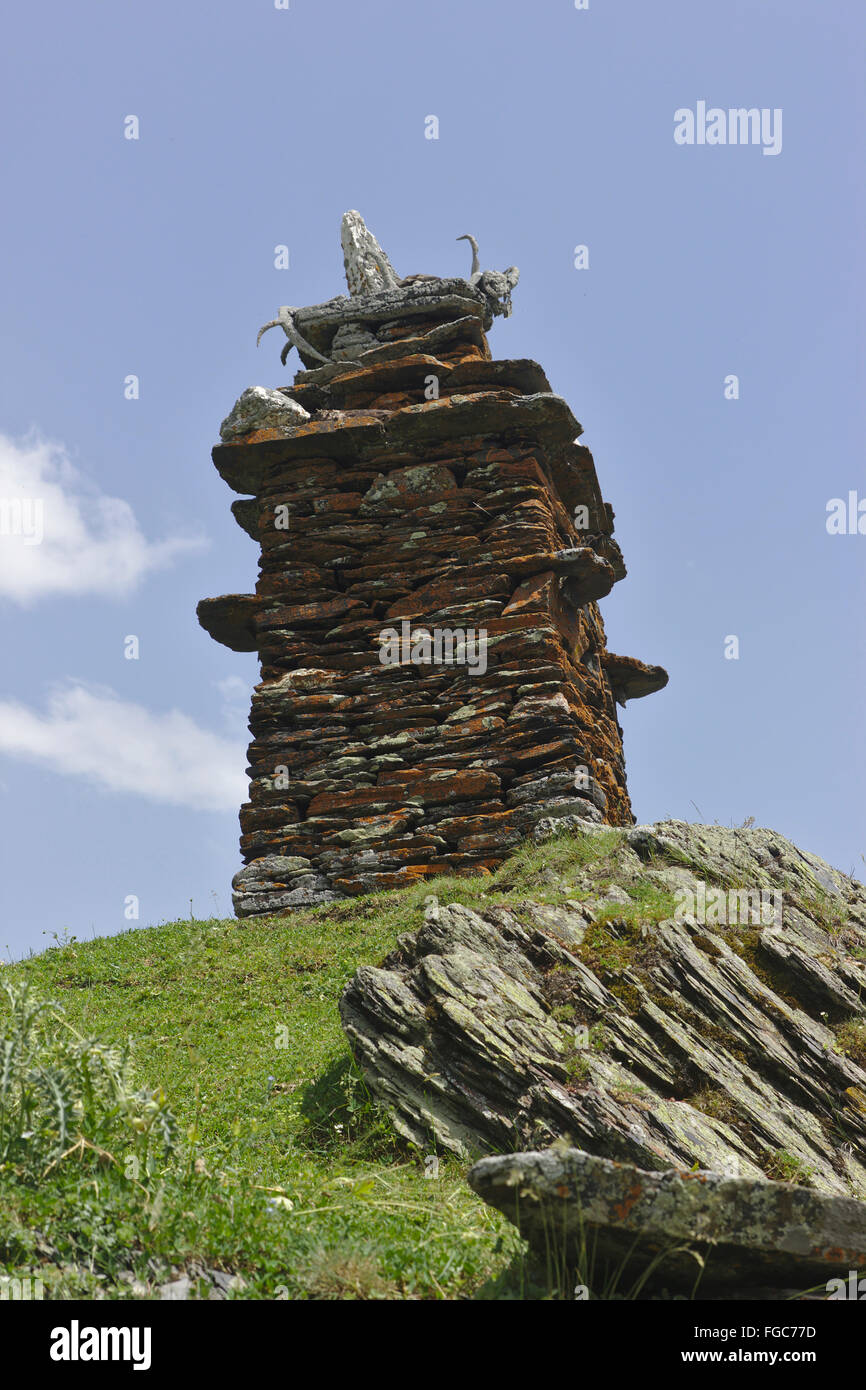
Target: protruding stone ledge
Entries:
(467, 328)
(245, 511)
(544, 417)
(245, 466)
(411, 372)
(630, 679)
(278, 883)
(749, 1232)
(425, 298)
(231, 620)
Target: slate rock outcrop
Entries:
(622, 1017)
(435, 678)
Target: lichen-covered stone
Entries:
(690, 1230)
(277, 883)
(257, 409)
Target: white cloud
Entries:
(91, 732)
(60, 535)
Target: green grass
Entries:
(649, 906)
(283, 1172)
(786, 1167)
(851, 1041)
(828, 911)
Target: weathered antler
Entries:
(475, 272)
(496, 285)
(286, 321)
(274, 323)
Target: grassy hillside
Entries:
(283, 1172)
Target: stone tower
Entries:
(435, 680)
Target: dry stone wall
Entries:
(435, 679)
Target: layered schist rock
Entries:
(729, 1037)
(434, 673)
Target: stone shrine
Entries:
(435, 680)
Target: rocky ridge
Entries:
(616, 1013)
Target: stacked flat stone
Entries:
(411, 485)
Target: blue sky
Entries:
(155, 258)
